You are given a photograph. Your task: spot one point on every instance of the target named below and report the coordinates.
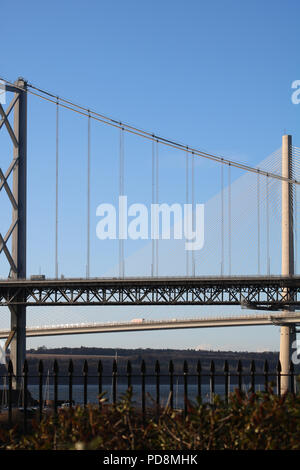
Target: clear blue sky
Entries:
(216, 75)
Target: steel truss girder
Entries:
(271, 295)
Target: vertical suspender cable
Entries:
(222, 219)
(268, 225)
(121, 193)
(56, 188)
(157, 197)
(229, 220)
(88, 197)
(258, 224)
(187, 201)
(153, 202)
(193, 209)
(296, 227)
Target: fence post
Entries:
(266, 374)
(239, 374)
(157, 373)
(10, 371)
(171, 374)
(100, 371)
(41, 372)
(25, 397)
(129, 373)
(278, 369)
(199, 380)
(185, 385)
(114, 374)
(143, 372)
(55, 374)
(85, 379)
(70, 372)
(212, 381)
(252, 374)
(226, 374)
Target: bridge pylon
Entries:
(287, 332)
(16, 256)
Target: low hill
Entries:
(107, 355)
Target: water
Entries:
(92, 393)
(150, 389)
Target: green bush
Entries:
(254, 422)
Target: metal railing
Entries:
(206, 384)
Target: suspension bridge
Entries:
(249, 222)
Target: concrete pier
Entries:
(287, 255)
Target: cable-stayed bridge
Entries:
(247, 255)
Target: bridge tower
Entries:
(287, 335)
(16, 256)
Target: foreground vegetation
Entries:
(253, 422)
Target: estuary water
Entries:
(150, 391)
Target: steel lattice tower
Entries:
(16, 256)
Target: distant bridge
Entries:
(167, 324)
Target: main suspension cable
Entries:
(145, 134)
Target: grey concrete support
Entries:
(287, 252)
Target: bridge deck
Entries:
(166, 324)
(272, 292)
